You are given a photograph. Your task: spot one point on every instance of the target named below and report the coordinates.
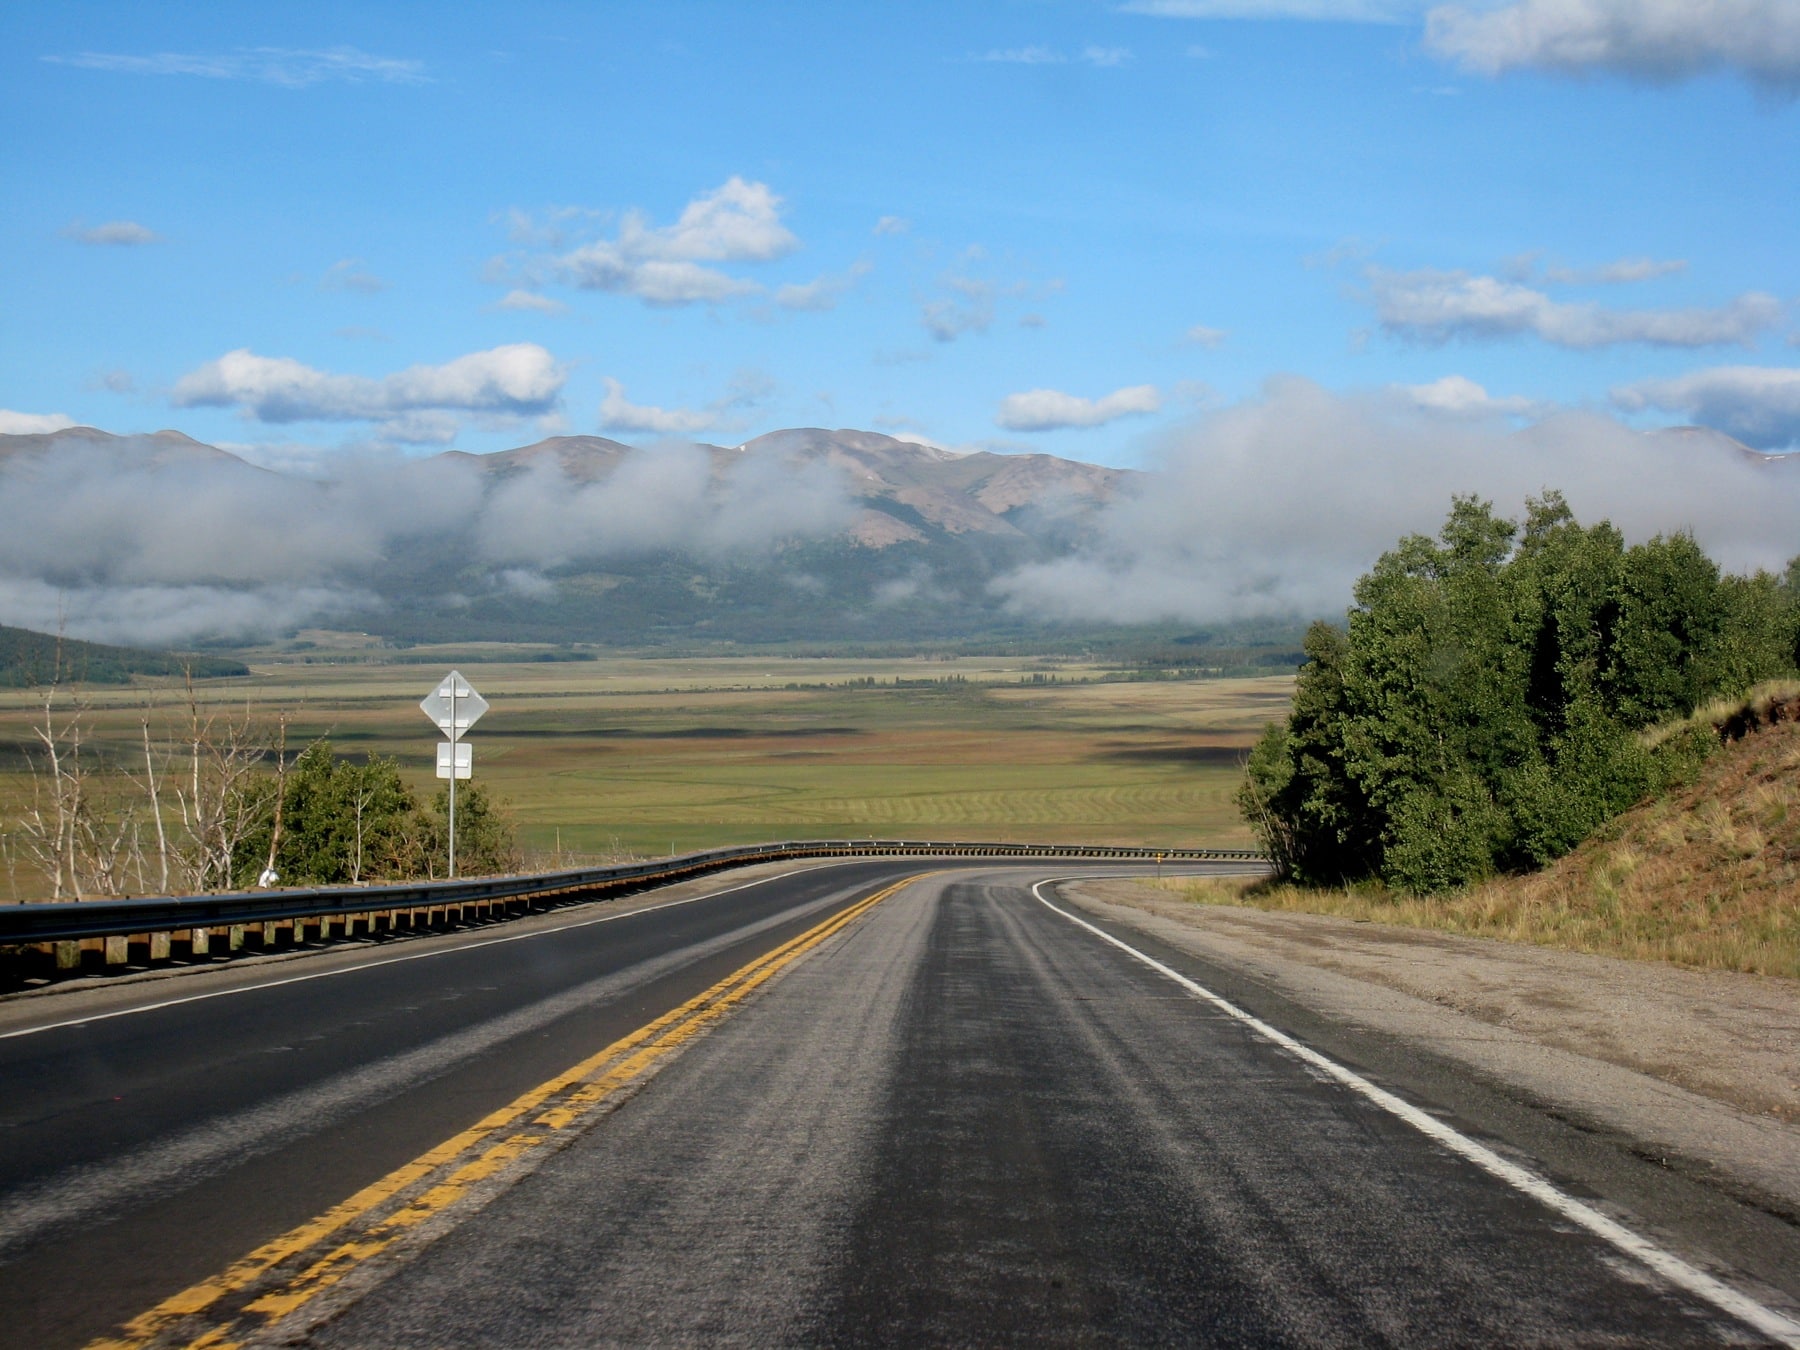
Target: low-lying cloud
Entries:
(1276, 505)
(663, 497)
(133, 540)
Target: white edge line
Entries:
(394, 960)
(1672, 1268)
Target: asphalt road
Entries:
(963, 1119)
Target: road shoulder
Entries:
(1703, 1067)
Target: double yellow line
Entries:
(427, 1195)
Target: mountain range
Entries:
(806, 534)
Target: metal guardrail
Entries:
(65, 922)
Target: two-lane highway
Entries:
(150, 1134)
(942, 1112)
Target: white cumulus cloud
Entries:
(521, 378)
(617, 414)
(1429, 305)
(114, 233)
(821, 293)
(1760, 405)
(1459, 396)
(1024, 56)
(349, 274)
(1622, 272)
(1053, 410)
(531, 302)
(739, 221)
(1655, 40)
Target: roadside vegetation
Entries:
(205, 798)
(1490, 703)
(1707, 875)
(638, 754)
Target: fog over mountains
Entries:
(1268, 509)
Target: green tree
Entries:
(1479, 710)
(342, 822)
(486, 840)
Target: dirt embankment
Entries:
(1705, 1064)
(1707, 876)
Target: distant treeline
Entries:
(1482, 711)
(28, 659)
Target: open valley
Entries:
(628, 755)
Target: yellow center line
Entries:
(214, 1309)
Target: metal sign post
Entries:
(455, 707)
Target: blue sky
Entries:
(1059, 226)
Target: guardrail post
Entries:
(117, 949)
(199, 942)
(159, 946)
(68, 955)
(268, 936)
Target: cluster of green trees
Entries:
(29, 659)
(1481, 711)
(329, 821)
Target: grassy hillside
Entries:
(28, 658)
(1707, 875)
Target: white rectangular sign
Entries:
(464, 759)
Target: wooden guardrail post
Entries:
(159, 946)
(117, 949)
(68, 955)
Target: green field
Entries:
(637, 756)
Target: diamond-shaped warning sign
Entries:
(454, 705)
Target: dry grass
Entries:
(1708, 877)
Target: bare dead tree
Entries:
(268, 872)
(108, 847)
(49, 826)
(79, 830)
(361, 797)
(152, 790)
(218, 804)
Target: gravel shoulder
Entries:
(1704, 1065)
